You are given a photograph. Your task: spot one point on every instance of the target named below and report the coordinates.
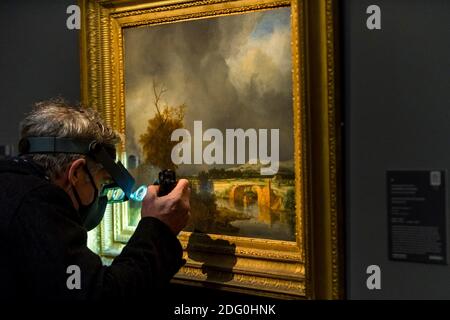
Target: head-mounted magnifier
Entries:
(123, 183)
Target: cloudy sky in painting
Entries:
(231, 72)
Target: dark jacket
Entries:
(41, 236)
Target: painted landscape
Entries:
(237, 202)
(227, 72)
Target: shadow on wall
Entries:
(217, 267)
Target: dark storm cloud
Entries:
(231, 72)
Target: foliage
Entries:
(156, 143)
(289, 205)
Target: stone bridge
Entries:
(266, 199)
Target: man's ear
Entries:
(74, 171)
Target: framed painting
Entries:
(239, 97)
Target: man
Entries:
(50, 197)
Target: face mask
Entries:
(93, 213)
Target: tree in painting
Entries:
(156, 143)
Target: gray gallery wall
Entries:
(397, 110)
(39, 59)
(396, 107)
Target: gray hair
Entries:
(57, 118)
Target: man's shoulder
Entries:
(18, 178)
(21, 188)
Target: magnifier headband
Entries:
(101, 153)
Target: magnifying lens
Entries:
(166, 180)
(115, 194)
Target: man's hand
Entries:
(172, 209)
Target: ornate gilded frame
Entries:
(311, 267)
